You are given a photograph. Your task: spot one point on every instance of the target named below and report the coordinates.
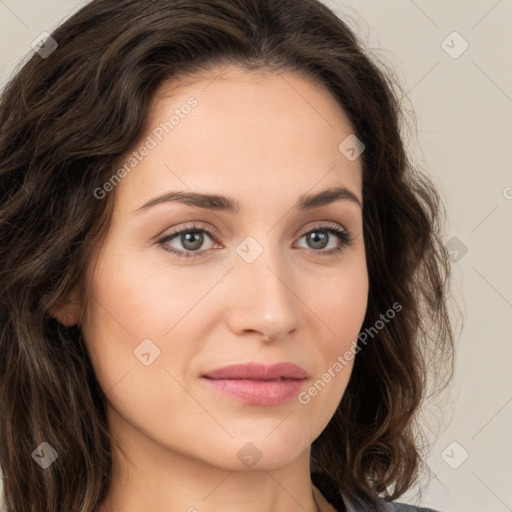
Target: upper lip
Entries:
(257, 371)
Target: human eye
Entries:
(191, 238)
(321, 236)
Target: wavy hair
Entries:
(66, 121)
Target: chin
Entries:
(257, 453)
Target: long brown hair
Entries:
(67, 119)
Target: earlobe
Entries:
(67, 312)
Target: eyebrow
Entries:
(230, 205)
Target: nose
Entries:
(262, 297)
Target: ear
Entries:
(68, 312)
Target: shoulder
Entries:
(402, 507)
(390, 506)
(339, 502)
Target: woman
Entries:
(222, 277)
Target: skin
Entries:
(263, 139)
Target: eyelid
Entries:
(325, 225)
(190, 226)
(198, 226)
(343, 235)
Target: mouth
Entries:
(258, 371)
(257, 384)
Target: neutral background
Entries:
(463, 105)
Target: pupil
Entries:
(195, 238)
(189, 239)
(318, 235)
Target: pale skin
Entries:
(263, 139)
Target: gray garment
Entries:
(388, 507)
(402, 507)
(341, 503)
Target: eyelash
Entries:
(343, 235)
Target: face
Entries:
(165, 309)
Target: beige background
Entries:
(463, 111)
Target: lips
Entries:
(257, 371)
(257, 384)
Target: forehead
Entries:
(234, 93)
(246, 131)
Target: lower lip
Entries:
(258, 392)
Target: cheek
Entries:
(133, 300)
(342, 304)
(141, 294)
(341, 307)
